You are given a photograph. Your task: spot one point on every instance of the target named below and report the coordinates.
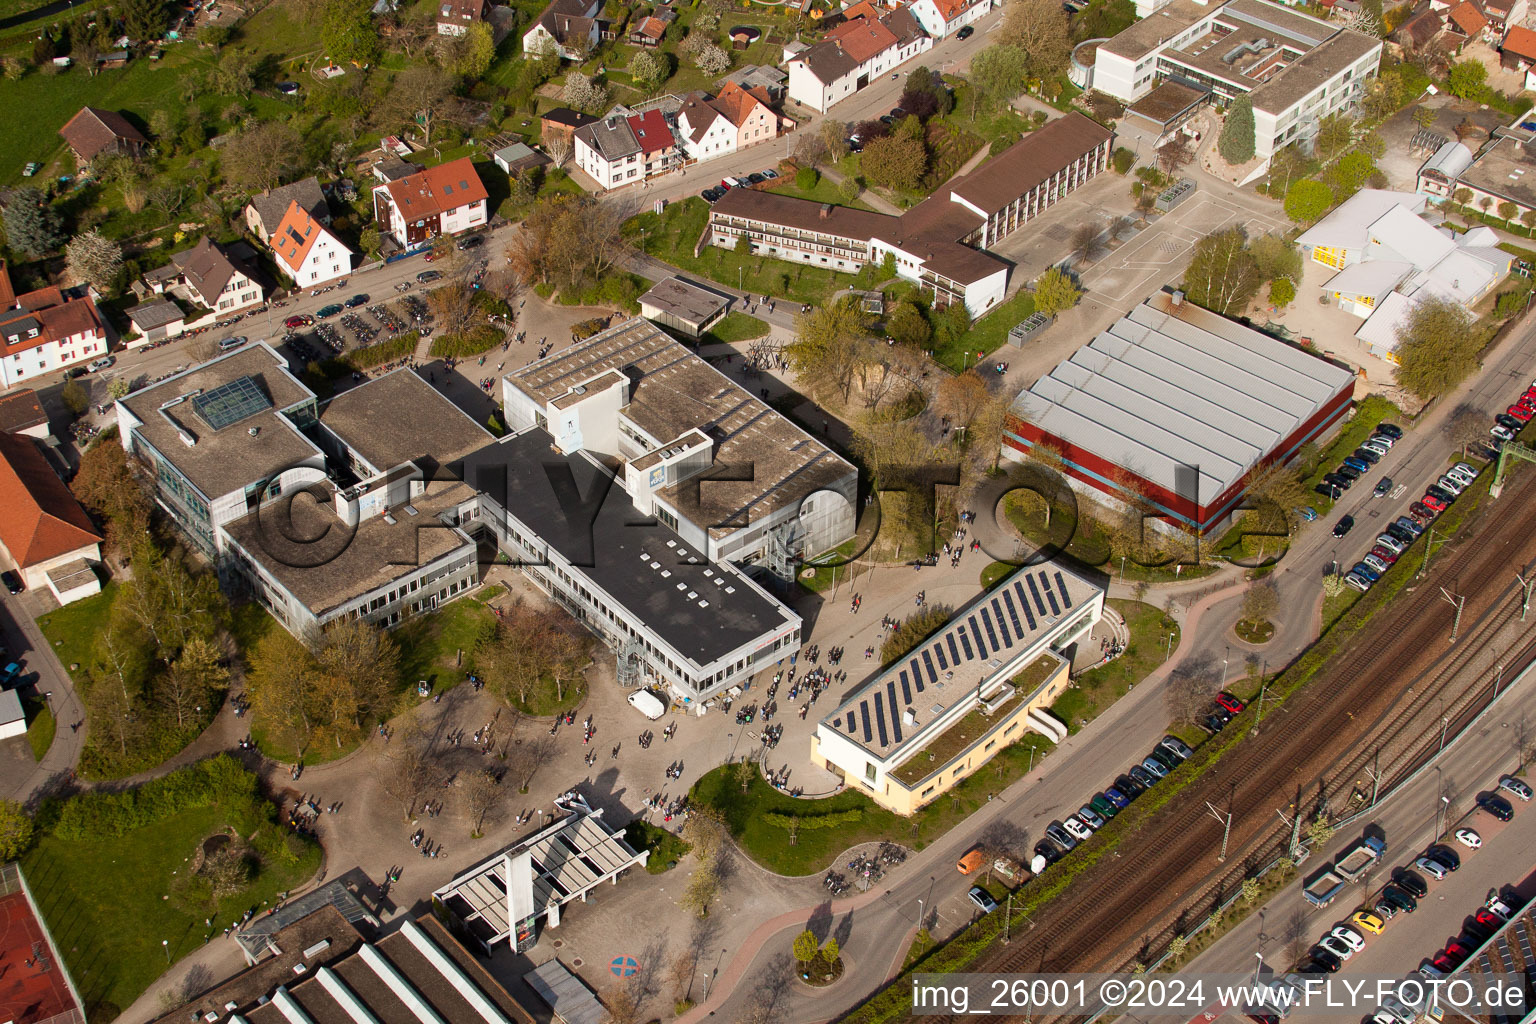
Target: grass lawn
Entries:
(666, 848)
(72, 629)
(987, 333)
(440, 647)
(1098, 688)
(997, 571)
(1080, 537)
(102, 899)
(816, 848)
(824, 191)
(735, 327)
(671, 237)
(1334, 607)
(40, 727)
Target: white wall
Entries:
(31, 363)
(462, 218)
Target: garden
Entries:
(124, 883)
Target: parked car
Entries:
(13, 584)
(428, 276)
(1390, 542)
(1348, 471)
(755, 179)
(1383, 439)
(1398, 897)
(1343, 526)
(1177, 746)
(1334, 946)
(982, 899)
(1451, 484)
(9, 673)
(1523, 413)
(1103, 806)
(1386, 556)
(1331, 491)
(1154, 767)
(1368, 921)
(966, 32)
(1432, 867)
(1357, 464)
(1383, 487)
(100, 364)
(1365, 455)
(1501, 432)
(293, 323)
(471, 241)
(1141, 775)
(1360, 583)
(1082, 833)
(325, 312)
(1338, 480)
(1129, 785)
(1392, 430)
(1445, 855)
(356, 300)
(1405, 529)
(770, 174)
(1510, 784)
(1436, 491)
(1434, 503)
(1222, 717)
(1458, 952)
(1090, 817)
(1348, 936)
(1060, 836)
(1326, 960)
(1230, 702)
(1384, 910)
(1469, 838)
(1495, 805)
(1411, 882)
(1306, 512)
(1366, 570)
(1376, 563)
(1119, 799)
(1049, 851)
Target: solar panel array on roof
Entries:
(981, 633)
(231, 402)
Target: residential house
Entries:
(561, 123)
(454, 17)
(1465, 23)
(852, 55)
(518, 157)
(306, 251)
(769, 79)
(621, 150)
(649, 30)
(1504, 15)
(44, 532)
(941, 18)
(1518, 53)
(210, 275)
(264, 212)
(441, 200)
(390, 168)
(44, 331)
(704, 132)
(94, 132)
(568, 27)
(750, 112)
(22, 413)
(155, 320)
(1421, 30)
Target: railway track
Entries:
(1382, 699)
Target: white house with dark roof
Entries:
(566, 27)
(454, 17)
(625, 148)
(852, 55)
(210, 275)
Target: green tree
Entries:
(848, 189)
(906, 324)
(347, 32)
(1467, 78)
(1507, 211)
(143, 20)
(473, 53)
(648, 69)
(32, 225)
(1237, 132)
(826, 351)
(1282, 291)
(15, 830)
(1039, 30)
(1055, 292)
(1276, 257)
(1307, 200)
(1222, 275)
(998, 73)
(75, 398)
(896, 162)
(1438, 347)
(831, 949)
(805, 946)
(806, 178)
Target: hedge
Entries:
(98, 815)
(471, 343)
(814, 821)
(383, 352)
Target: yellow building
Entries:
(914, 730)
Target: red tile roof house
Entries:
(93, 132)
(941, 18)
(44, 532)
(42, 332)
(1465, 21)
(1503, 14)
(441, 200)
(1518, 53)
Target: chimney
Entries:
(1178, 297)
(824, 212)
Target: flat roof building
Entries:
(1295, 69)
(915, 729)
(1175, 407)
(683, 306)
(634, 394)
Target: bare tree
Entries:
(1172, 156)
(1260, 601)
(1191, 688)
(558, 146)
(1467, 427)
(407, 772)
(481, 794)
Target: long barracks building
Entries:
(940, 242)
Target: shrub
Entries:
(471, 343)
(806, 178)
(383, 352)
(98, 815)
(1123, 159)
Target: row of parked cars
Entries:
(714, 195)
(1359, 462)
(1061, 837)
(1407, 887)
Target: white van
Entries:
(648, 704)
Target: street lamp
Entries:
(1445, 802)
(165, 944)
